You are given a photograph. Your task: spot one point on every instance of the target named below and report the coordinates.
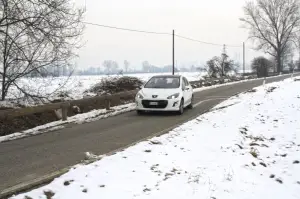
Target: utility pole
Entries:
(224, 57)
(244, 57)
(173, 69)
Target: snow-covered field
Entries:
(73, 86)
(245, 148)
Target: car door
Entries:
(188, 91)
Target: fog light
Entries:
(175, 104)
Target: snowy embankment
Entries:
(246, 147)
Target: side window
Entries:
(183, 84)
(186, 81)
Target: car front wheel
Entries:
(192, 102)
(181, 107)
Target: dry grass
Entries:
(263, 164)
(84, 190)
(296, 162)
(254, 144)
(154, 142)
(49, 194)
(279, 180)
(254, 153)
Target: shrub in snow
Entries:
(116, 85)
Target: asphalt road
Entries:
(26, 159)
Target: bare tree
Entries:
(115, 67)
(146, 66)
(36, 35)
(221, 65)
(110, 66)
(107, 64)
(292, 66)
(297, 44)
(288, 54)
(126, 65)
(272, 24)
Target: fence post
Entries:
(107, 103)
(64, 111)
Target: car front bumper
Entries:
(157, 104)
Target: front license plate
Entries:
(154, 103)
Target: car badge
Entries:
(154, 96)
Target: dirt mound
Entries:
(116, 85)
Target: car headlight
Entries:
(139, 96)
(174, 96)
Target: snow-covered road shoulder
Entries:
(245, 148)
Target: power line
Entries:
(159, 33)
(127, 29)
(204, 42)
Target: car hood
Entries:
(161, 93)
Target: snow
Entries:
(77, 119)
(208, 157)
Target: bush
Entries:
(261, 65)
(116, 85)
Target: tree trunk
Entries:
(4, 84)
(278, 62)
(3, 89)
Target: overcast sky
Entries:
(215, 21)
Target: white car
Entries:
(165, 93)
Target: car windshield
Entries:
(163, 82)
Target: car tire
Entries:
(192, 103)
(181, 107)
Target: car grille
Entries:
(160, 103)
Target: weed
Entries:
(263, 164)
(49, 194)
(155, 142)
(272, 176)
(279, 180)
(254, 153)
(254, 144)
(84, 190)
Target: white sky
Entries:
(215, 21)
